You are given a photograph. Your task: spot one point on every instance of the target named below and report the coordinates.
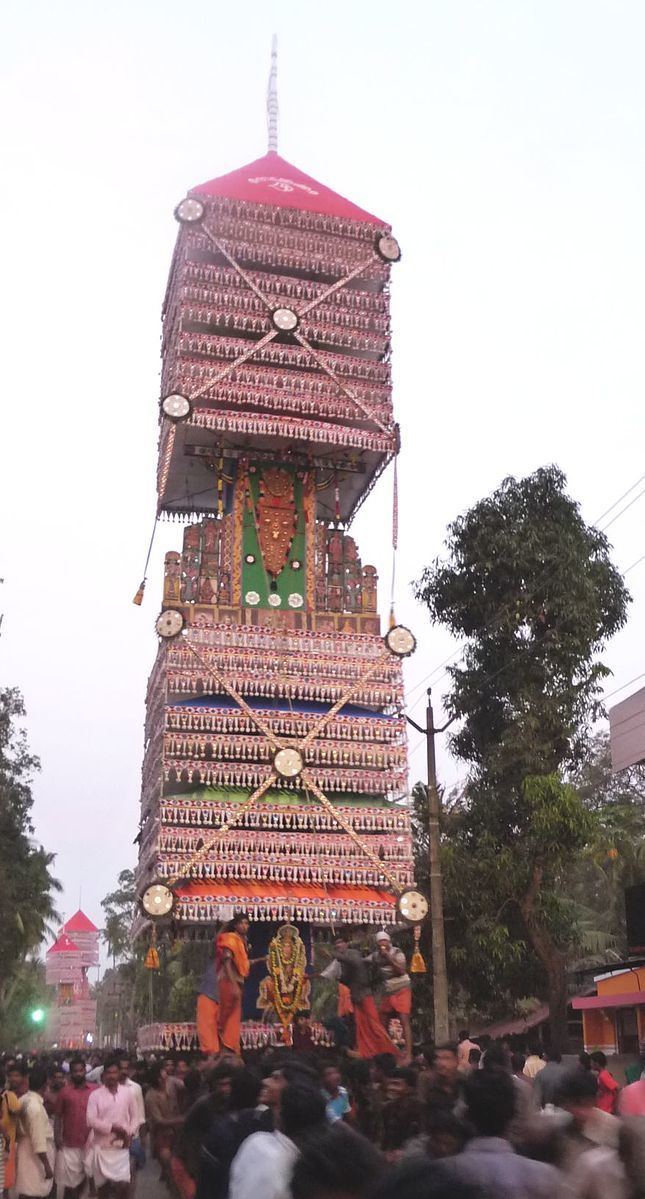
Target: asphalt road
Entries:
(148, 1185)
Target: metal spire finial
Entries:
(272, 98)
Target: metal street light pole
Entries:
(439, 969)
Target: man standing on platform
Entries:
(71, 1131)
(371, 1037)
(233, 965)
(113, 1118)
(397, 999)
(208, 1011)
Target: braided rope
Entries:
(222, 830)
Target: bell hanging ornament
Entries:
(151, 960)
(417, 961)
(138, 599)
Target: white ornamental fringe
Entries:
(189, 720)
(208, 911)
(323, 874)
(166, 1037)
(336, 848)
(182, 753)
(335, 780)
(311, 818)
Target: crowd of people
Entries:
(462, 1121)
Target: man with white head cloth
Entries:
(397, 995)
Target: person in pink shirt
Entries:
(632, 1099)
(608, 1088)
(113, 1118)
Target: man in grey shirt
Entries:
(371, 1037)
(489, 1160)
(548, 1082)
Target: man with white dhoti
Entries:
(71, 1131)
(113, 1119)
(35, 1153)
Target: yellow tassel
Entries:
(392, 617)
(138, 599)
(151, 959)
(220, 488)
(417, 963)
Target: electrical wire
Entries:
(619, 500)
(617, 689)
(636, 563)
(623, 510)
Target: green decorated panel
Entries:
(233, 795)
(273, 539)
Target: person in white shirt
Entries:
(113, 1119)
(263, 1165)
(35, 1154)
(464, 1049)
(94, 1072)
(126, 1069)
(137, 1150)
(534, 1063)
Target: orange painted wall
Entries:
(623, 984)
(599, 1030)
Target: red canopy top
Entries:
(79, 923)
(624, 999)
(63, 945)
(273, 180)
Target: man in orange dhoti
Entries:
(233, 965)
(208, 1011)
(371, 1037)
(345, 1006)
(397, 999)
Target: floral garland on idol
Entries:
(287, 961)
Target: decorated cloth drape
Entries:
(233, 942)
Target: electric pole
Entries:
(439, 969)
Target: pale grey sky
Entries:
(505, 143)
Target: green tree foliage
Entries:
(120, 907)
(129, 995)
(26, 883)
(532, 591)
(28, 991)
(591, 893)
(615, 857)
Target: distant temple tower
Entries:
(275, 745)
(73, 1015)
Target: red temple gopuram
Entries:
(275, 770)
(72, 1018)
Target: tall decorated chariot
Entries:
(275, 766)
